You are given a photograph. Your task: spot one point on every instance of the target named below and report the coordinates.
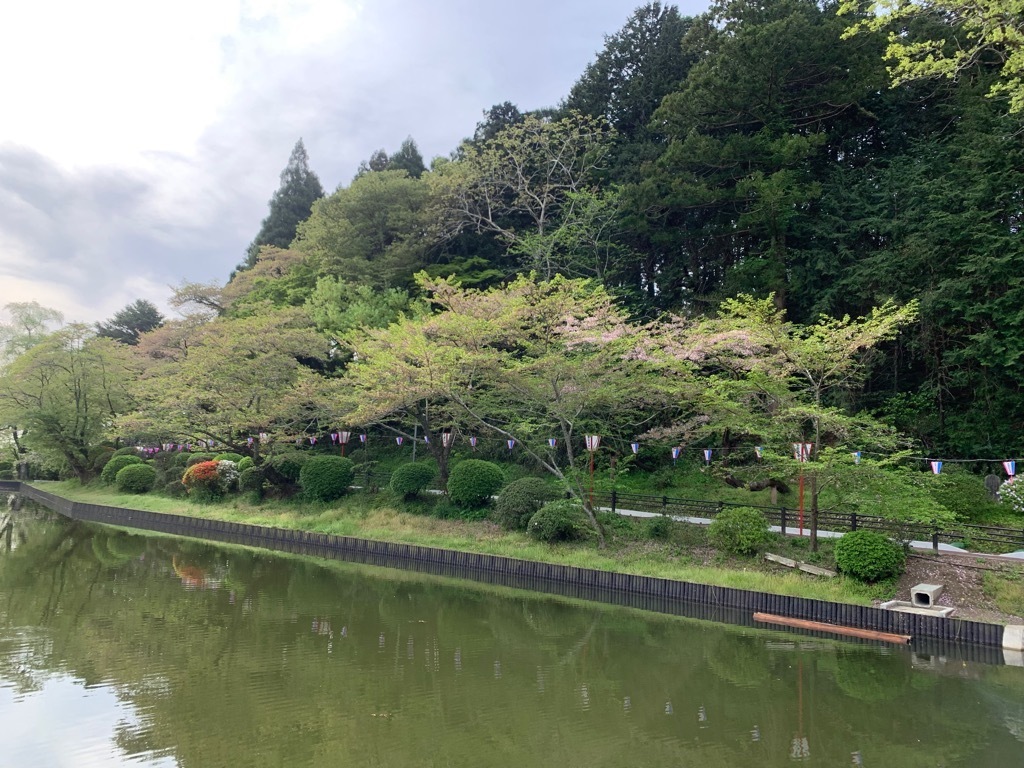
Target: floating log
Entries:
(818, 626)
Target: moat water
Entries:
(119, 649)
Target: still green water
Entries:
(118, 649)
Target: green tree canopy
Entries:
(977, 32)
(65, 393)
(521, 184)
(27, 324)
(369, 232)
(239, 377)
(528, 361)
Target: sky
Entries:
(141, 141)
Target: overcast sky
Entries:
(140, 141)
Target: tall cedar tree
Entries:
(291, 203)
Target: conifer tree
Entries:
(291, 203)
(131, 322)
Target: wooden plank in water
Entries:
(818, 626)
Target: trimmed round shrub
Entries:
(250, 480)
(521, 500)
(126, 451)
(229, 456)
(562, 520)
(181, 458)
(412, 478)
(115, 465)
(100, 455)
(136, 478)
(197, 458)
(869, 556)
(246, 462)
(472, 482)
(326, 478)
(202, 481)
(288, 464)
(740, 530)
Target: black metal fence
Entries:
(789, 519)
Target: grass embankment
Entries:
(685, 555)
(1006, 591)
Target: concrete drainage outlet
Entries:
(926, 595)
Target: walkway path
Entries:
(791, 531)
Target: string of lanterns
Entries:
(802, 452)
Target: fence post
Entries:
(615, 498)
(935, 539)
(853, 521)
(664, 502)
(782, 517)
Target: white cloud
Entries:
(141, 140)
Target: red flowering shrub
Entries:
(202, 480)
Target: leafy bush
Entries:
(136, 478)
(127, 451)
(869, 556)
(100, 455)
(115, 465)
(175, 489)
(326, 478)
(472, 482)
(660, 527)
(562, 520)
(229, 456)
(227, 471)
(250, 479)
(521, 500)
(202, 481)
(172, 474)
(164, 459)
(739, 530)
(288, 465)
(446, 510)
(962, 492)
(1012, 493)
(664, 478)
(245, 463)
(409, 479)
(197, 458)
